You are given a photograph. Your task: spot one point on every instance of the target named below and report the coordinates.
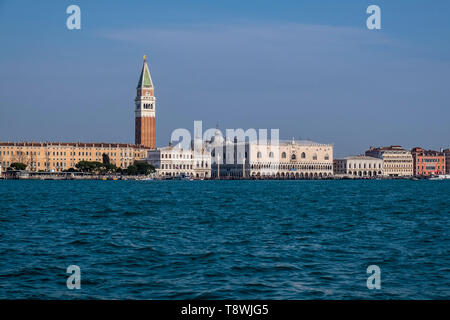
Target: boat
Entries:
(183, 177)
(440, 177)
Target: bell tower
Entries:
(145, 110)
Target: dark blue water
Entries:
(225, 239)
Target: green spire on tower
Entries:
(145, 80)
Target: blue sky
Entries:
(310, 68)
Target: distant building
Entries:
(397, 162)
(55, 156)
(174, 161)
(145, 127)
(358, 166)
(447, 161)
(428, 162)
(287, 159)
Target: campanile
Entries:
(145, 110)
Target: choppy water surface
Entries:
(225, 239)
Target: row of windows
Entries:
(176, 156)
(184, 166)
(291, 166)
(173, 166)
(429, 168)
(364, 173)
(364, 166)
(57, 153)
(293, 156)
(398, 160)
(431, 160)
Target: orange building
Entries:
(145, 110)
(428, 162)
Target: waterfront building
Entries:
(145, 102)
(285, 159)
(57, 157)
(447, 160)
(397, 162)
(174, 161)
(358, 166)
(428, 162)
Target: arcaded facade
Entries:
(281, 160)
(358, 167)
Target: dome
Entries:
(217, 139)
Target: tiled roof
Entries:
(72, 144)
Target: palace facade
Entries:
(283, 160)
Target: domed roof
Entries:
(217, 138)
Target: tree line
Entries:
(104, 167)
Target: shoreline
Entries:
(59, 177)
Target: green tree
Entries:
(18, 166)
(89, 166)
(109, 168)
(105, 158)
(132, 170)
(143, 167)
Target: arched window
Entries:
(259, 155)
(271, 154)
(283, 155)
(303, 155)
(327, 157)
(315, 156)
(293, 157)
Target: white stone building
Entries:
(283, 160)
(358, 166)
(174, 161)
